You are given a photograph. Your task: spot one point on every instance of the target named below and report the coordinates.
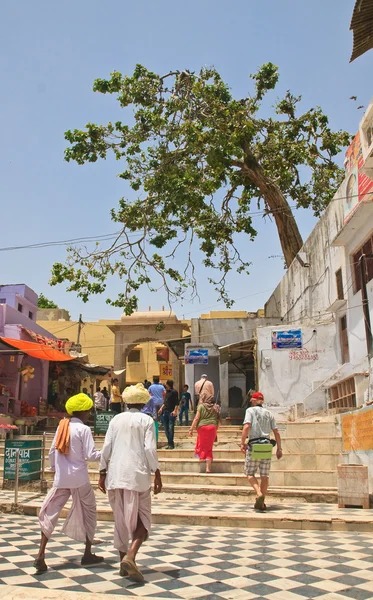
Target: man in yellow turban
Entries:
(73, 446)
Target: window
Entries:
(345, 351)
(2, 300)
(366, 248)
(163, 354)
(30, 315)
(342, 396)
(134, 356)
(339, 282)
(20, 307)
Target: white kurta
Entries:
(130, 452)
(71, 469)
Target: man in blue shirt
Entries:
(156, 391)
(185, 403)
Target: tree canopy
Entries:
(197, 159)
(43, 302)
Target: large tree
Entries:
(196, 159)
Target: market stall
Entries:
(24, 370)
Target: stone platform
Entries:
(322, 517)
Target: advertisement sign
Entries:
(165, 371)
(29, 459)
(197, 356)
(357, 430)
(291, 338)
(102, 420)
(356, 186)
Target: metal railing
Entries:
(40, 471)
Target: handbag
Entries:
(261, 451)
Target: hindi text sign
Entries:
(102, 420)
(29, 459)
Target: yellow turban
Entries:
(78, 403)
(135, 394)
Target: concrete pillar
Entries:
(189, 378)
(224, 388)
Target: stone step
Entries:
(298, 430)
(224, 514)
(290, 445)
(235, 453)
(309, 462)
(279, 478)
(182, 492)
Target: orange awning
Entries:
(37, 350)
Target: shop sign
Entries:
(196, 356)
(102, 421)
(29, 459)
(165, 371)
(290, 338)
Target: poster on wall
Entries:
(196, 356)
(165, 371)
(290, 338)
(356, 186)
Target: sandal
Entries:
(259, 503)
(92, 561)
(40, 566)
(128, 568)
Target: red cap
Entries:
(258, 395)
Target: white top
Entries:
(261, 420)
(71, 469)
(130, 452)
(100, 401)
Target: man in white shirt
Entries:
(128, 458)
(100, 400)
(72, 447)
(258, 424)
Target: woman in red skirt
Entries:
(206, 422)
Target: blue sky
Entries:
(51, 53)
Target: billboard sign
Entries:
(356, 186)
(196, 356)
(290, 338)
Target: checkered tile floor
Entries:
(208, 563)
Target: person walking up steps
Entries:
(258, 424)
(203, 389)
(169, 411)
(207, 421)
(185, 405)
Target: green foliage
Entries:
(43, 302)
(196, 158)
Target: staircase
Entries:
(306, 473)
(302, 493)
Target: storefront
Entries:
(24, 373)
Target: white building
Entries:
(319, 299)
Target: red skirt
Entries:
(205, 440)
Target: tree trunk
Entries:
(290, 238)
